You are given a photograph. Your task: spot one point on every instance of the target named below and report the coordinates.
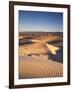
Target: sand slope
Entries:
(35, 48)
(32, 67)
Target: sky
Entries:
(39, 21)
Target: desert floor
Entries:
(36, 60)
(34, 67)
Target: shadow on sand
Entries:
(58, 57)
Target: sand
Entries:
(40, 67)
(34, 60)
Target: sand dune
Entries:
(47, 38)
(35, 48)
(34, 59)
(38, 48)
(32, 67)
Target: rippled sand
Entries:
(39, 67)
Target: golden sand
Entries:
(31, 67)
(39, 66)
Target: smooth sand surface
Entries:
(47, 38)
(39, 67)
(35, 48)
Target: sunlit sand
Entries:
(34, 60)
(32, 67)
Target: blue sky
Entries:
(40, 21)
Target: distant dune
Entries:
(32, 67)
(47, 38)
